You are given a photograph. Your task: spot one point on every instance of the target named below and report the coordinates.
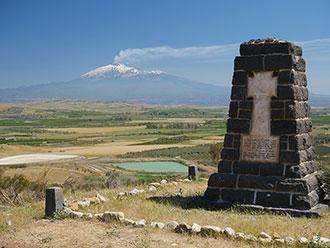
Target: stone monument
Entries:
(268, 160)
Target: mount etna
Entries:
(121, 83)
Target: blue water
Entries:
(155, 166)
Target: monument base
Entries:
(317, 211)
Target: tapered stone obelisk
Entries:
(268, 161)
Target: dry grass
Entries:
(8, 150)
(54, 175)
(113, 149)
(57, 171)
(83, 234)
(138, 207)
(26, 225)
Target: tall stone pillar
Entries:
(268, 160)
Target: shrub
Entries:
(17, 189)
(115, 179)
(111, 179)
(215, 151)
(17, 166)
(326, 179)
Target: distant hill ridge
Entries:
(122, 83)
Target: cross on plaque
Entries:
(260, 145)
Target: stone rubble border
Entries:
(184, 228)
(151, 188)
(196, 229)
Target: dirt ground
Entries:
(79, 233)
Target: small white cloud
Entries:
(314, 50)
(138, 56)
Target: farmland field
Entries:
(105, 133)
(102, 134)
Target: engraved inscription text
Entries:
(260, 145)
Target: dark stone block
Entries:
(271, 169)
(282, 127)
(245, 114)
(277, 62)
(229, 140)
(296, 50)
(257, 182)
(289, 185)
(300, 171)
(222, 180)
(307, 154)
(212, 194)
(300, 78)
(54, 201)
(277, 114)
(291, 92)
(284, 138)
(300, 64)
(285, 92)
(305, 201)
(214, 180)
(240, 78)
(232, 141)
(246, 104)
(297, 157)
(300, 185)
(225, 166)
(233, 109)
(285, 77)
(249, 63)
(304, 126)
(273, 199)
(238, 93)
(269, 48)
(237, 196)
(296, 110)
(237, 141)
(230, 154)
(238, 126)
(302, 94)
(289, 157)
(277, 104)
(290, 77)
(193, 172)
(300, 141)
(245, 167)
(283, 146)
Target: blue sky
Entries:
(46, 41)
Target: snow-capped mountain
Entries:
(122, 83)
(119, 70)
